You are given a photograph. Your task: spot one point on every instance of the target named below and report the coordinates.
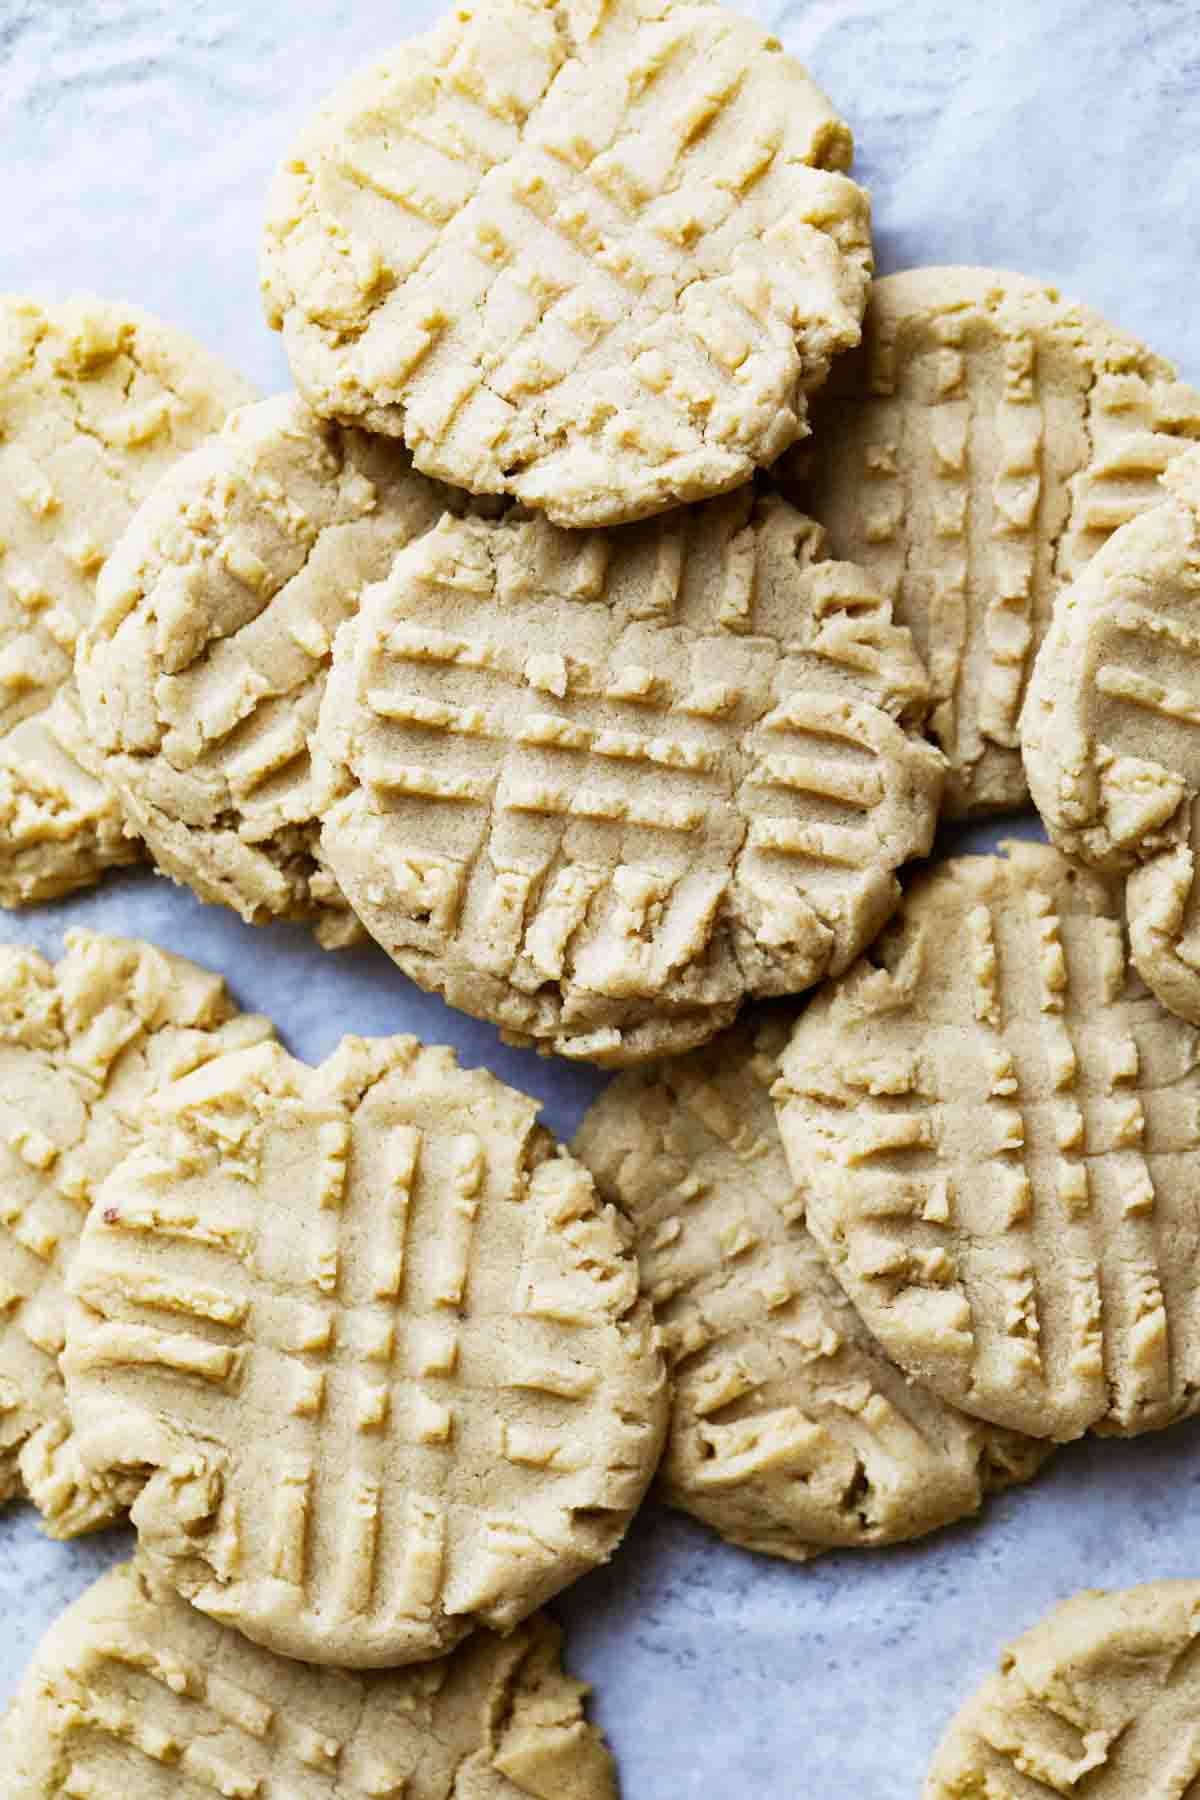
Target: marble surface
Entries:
(1056, 136)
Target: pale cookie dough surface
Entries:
(996, 1128)
(791, 1432)
(202, 673)
(61, 823)
(972, 456)
(1101, 1699)
(1110, 730)
(97, 399)
(592, 255)
(132, 1692)
(598, 788)
(380, 1347)
(82, 1044)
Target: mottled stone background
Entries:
(1061, 137)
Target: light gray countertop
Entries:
(1061, 137)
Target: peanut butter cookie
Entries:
(972, 456)
(379, 1349)
(995, 1129)
(591, 255)
(601, 787)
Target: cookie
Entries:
(995, 1128)
(97, 399)
(791, 1432)
(82, 1044)
(203, 669)
(972, 456)
(600, 788)
(592, 256)
(380, 1347)
(61, 824)
(1109, 730)
(1101, 1698)
(133, 1692)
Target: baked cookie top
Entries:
(972, 455)
(203, 668)
(82, 1045)
(97, 399)
(1109, 731)
(591, 255)
(134, 1691)
(791, 1431)
(995, 1130)
(1100, 1698)
(380, 1348)
(600, 787)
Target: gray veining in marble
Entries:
(1057, 136)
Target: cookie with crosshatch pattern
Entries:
(202, 668)
(972, 455)
(1100, 1698)
(1109, 730)
(97, 399)
(600, 787)
(379, 1348)
(791, 1432)
(82, 1044)
(995, 1129)
(134, 1692)
(591, 253)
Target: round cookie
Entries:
(600, 788)
(97, 399)
(995, 1128)
(1109, 730)
(972, 456)
(592, 256)
(82, 1044)
(202, 672)
(380, 1348)
(791, 1432)
(1101, 1698)
(133, 1692)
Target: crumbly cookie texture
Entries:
(203, 669)
(995, 1128)
(972, 456)
(61, 824)
(96, 401)
(132, 1691)
(791, 1432)
(1100, 1698)
(380, 1348)
(82, 1045)
(598, 788)
(593, 255)
(1109, 732)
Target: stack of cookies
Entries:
(623, 596)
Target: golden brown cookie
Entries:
(972, 456)
(1102, 1699)
(599, 788)
(1109, 732)
(82, 1045)
(97, 399)
(134, 1693)
(995, 1128)
(595, 256)
(379, 1346)
(203, 669)
(791, 1432)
